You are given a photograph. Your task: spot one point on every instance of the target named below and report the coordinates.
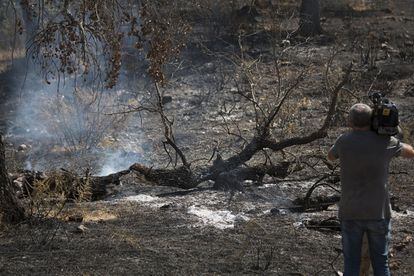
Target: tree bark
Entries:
(309, 22)
(10, 207)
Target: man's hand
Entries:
(407, 151)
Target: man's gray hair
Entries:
(360, 115)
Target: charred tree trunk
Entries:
(10, 206)
(180, 177)
(309, 22)
(100, 185)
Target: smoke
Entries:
(72, 128)
(67, 122)
(29, 121)
(117, 161)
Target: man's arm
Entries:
(407, 151)
(331, 156)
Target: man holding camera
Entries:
(365, 205)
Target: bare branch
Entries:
(168, 133)
(268, 121)
(260, 142)
(321, 132)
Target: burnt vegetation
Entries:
(87, 40)
(86, 43)
(206, 95)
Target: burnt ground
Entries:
(145, 229)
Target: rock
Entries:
(298, 224)
(81, 229)
(165, 206)
(277, 211)
(285, 43)
(19, 186)
(23, 147)
(18, 182)
(209, 66)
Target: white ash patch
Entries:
(221, 219)
(288, 184)
(141, 198)
(147, 200)
(214, 208)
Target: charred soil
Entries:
(144, 229)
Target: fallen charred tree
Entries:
(228, 170)
(180, 177)
(227, 174)
(88, 187)
(99, 184)
(232, 180)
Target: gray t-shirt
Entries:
(364, 158)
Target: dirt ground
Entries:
(143, 229)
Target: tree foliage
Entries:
(87, 37)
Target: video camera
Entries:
(384, 115)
